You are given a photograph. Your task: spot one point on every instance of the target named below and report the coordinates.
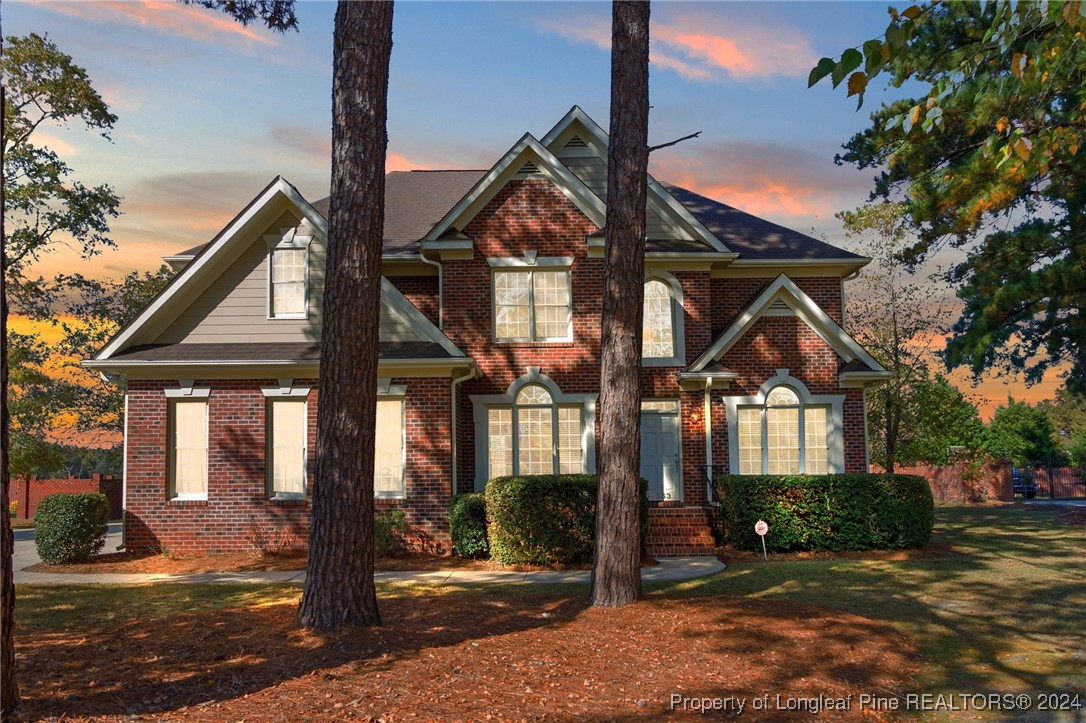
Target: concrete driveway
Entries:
(26, 553)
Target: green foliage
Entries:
(1067, 412)
(991, 155)
(71, 527)
(387, 529)
(827, 512)
(44, 205)
(277, 15)
(546, 519)
(1020, 433)
(467, 522)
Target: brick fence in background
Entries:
(962, 483)
(27, 494)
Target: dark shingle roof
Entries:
(752, 237)
(264, 352)
(416, 200)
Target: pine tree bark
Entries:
(339, 588)
(9, 691)
(616, 565)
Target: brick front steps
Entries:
(679, 531)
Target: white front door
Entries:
(660, 455)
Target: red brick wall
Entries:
(27, 494)
(237, 497)
(420, 291)
(959, 483)
(733, 295)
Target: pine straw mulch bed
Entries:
(134, 563)
(464, 657)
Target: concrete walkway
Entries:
(670, 569)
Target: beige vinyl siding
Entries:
(234, 309)
(592, 170)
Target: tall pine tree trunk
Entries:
(9, 692)
(616, 565)
(339, 589)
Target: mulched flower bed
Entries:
(463, 658)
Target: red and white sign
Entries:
(761, 527)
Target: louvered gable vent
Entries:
(528, 169)
(779, 307)
(576, 142)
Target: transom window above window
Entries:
(532, 305)
(784, 436)
(289, 281)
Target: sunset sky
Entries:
(210, 111)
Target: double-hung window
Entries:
(287, 450)
(289, 293)
(188, 449)
(532, 304)
(389, 459)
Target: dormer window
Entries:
(288, 278)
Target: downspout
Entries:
(471, 374)
(124, 476)
(710, 493)
(440, 294)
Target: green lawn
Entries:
(1005, 615)
(1008, 614)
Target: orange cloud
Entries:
(169, 18)
(397, 162)
(704, 46)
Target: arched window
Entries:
(661, 335)
(534, 435)
(784, 435)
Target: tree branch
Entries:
(674, 142)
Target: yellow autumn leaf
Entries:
(1073, 148)
(857, 82)
(914, 114)
(1022, 148)
(1002, 123)
(1018, 63)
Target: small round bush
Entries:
(467, 522)
(71, 527)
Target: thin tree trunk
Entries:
(9, 691)
(616, 565)
(339, 589)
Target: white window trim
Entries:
(678, 317)
(398, 393)
(288, 239)
(482, 403)
(526, 265)
(186, 393)
(834, 403)
(285, 390)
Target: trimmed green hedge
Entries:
(546, 519)
(71, 527)
(827, 512)
(467, 523)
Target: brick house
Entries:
(489, 352)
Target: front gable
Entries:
(220, 301)
(581, 144)
(526, 160)
(783, 298)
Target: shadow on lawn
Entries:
(153, 666)
(1004, 614)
